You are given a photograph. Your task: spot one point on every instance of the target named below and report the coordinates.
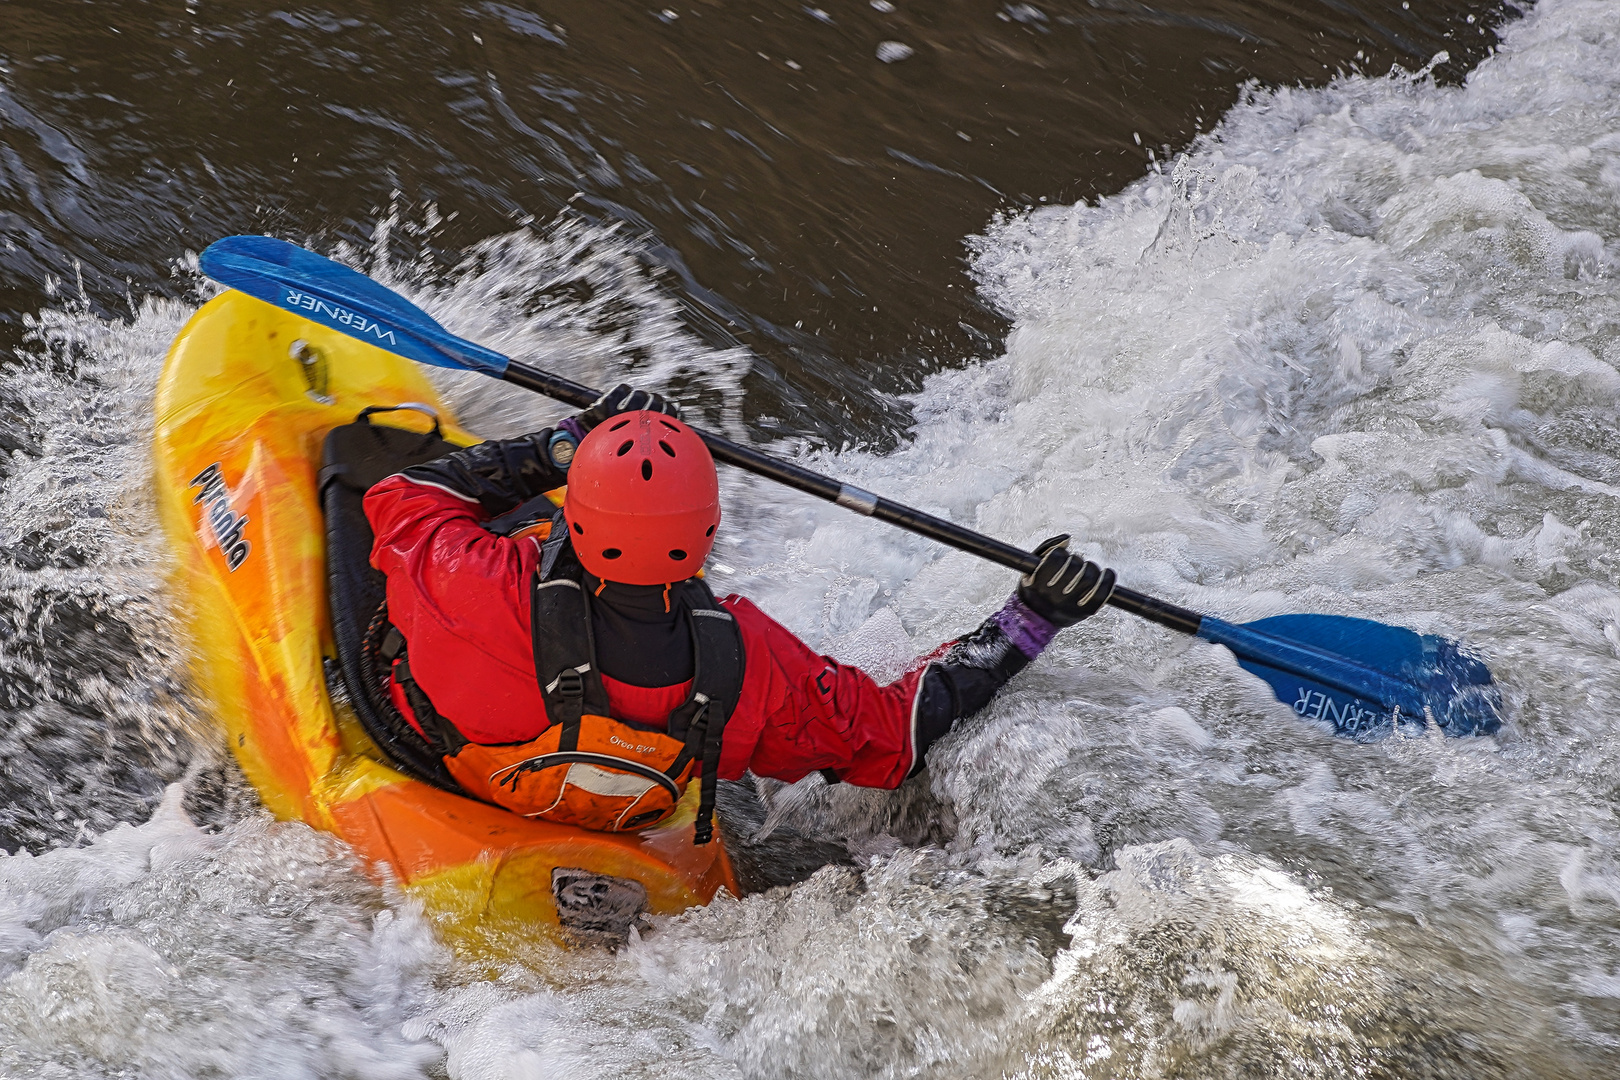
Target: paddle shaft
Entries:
(341, 299)
(863, 502)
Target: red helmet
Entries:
(643, 500)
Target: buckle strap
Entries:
(442, 735)
(703, 744)
(393, 644)
(716, 686)
(565, 655)
(708, 786)
(569, 683)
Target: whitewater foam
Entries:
(1354, 352)
(164, 951)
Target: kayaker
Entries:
(587, 674)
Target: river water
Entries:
(1353, 349)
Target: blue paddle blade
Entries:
(1364, 677)
(327, 292)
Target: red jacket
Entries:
(460, 595)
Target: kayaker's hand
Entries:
(1065, 588)
(622, 398)
(625, 398)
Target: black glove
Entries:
(500, 474)
(1065, 587)
(623, 398)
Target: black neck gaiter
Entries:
(637, 641)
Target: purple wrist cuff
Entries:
(573, 427)
(1028, 632)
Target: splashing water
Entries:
(165, 951)
(90, 658)
(1355, 352)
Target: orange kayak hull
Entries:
(246, 399)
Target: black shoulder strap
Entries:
(557, 558)
(719, 650)
(717, 680)
(565, 655)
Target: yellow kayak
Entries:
(246, 400)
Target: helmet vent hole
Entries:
(619, 425)
(611, 553)
(664, 446)
(710, 532)
(625, 448)
(671, 426)
(579, 528)
(677, 554)
(646, 468)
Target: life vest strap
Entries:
(573, 690)
(441, 734)
(565, 666)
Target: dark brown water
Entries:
(808, 199)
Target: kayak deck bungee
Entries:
(247, 397)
